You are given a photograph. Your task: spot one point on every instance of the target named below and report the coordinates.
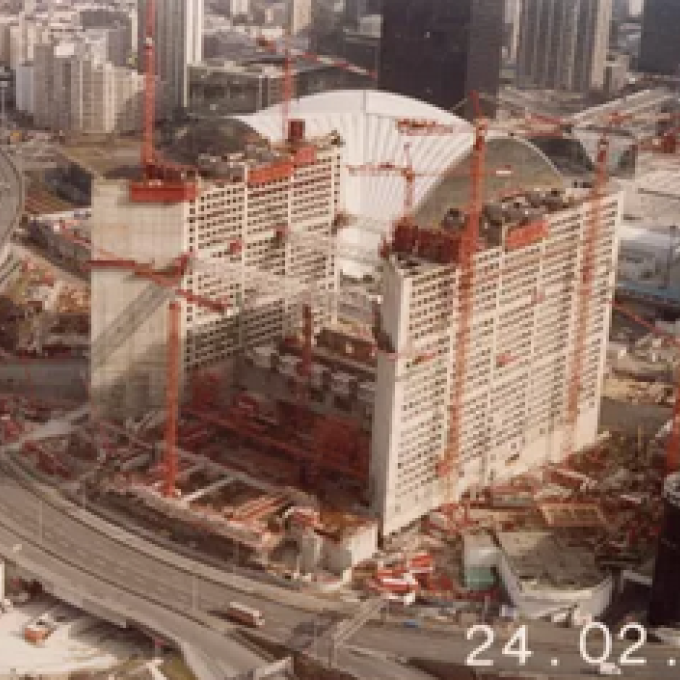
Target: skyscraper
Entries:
(179, 42)
(441, 50)
(660, 48)
(563, 44)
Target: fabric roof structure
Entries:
(367, 120)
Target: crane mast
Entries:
(149, 114)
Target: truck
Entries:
(241, 613)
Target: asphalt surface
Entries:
(48, 549)
(166, 592)
(11, 197)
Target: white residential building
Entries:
(518, 365)
(239, 7)
(75, 89)
(121, 26)
(18, 38)
(236, 220)
(178, 42)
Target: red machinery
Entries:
(162, 182)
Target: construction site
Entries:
(359, 373)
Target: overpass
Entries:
(95, 564)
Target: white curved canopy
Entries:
(367, 122)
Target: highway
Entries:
(170, 590)
(11, 199)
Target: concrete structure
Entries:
(299, 16)
(616, 73)
(439, 51)
(18, 37)
(547, 579)
(24, 88)
(659, 48)
(235, 222)
(563, 44)
(239, 7)
(366, 123)
(518, 365)
(121, 28)
(179, 43)
(76, 89)
(219, 88)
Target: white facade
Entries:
(545, 579)
(76, 89)
(299, 16)
(52, 85)
(18, 38)
(513, 14)
(178, 42)
(239, 7)
(518, 365)
(234, 211)
(563, 44)
(23, 88)
(366, 122)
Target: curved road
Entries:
(167, 592)
(11, 197)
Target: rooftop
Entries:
(540, 559)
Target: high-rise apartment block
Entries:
(121, 28)
(74, 89)
(239, 7)
(660, 47)
(439, 51)
(18, 38)
(518, 366)
(239, 220)
(178, 43)
(563, 44)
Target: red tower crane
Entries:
(289, 54)
(172, 401)
(149, 113)
(162, 182)
(169, 279)
(584, 286)
(405, 171)
(448, 466)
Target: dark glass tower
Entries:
(660, 46)
(441, 50)
(664, 606)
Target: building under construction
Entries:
(521, 348)
(236, 227)
(250, 251)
